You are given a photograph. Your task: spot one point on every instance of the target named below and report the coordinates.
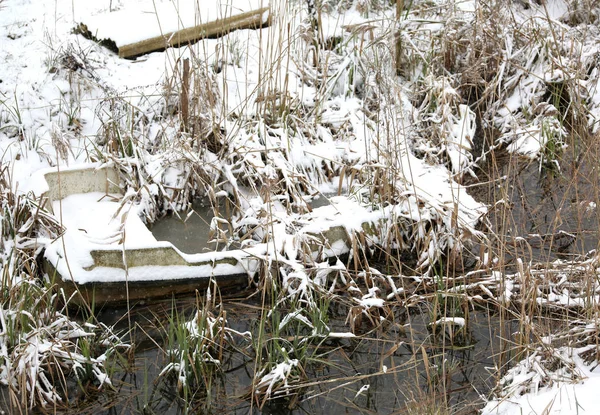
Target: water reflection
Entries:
(421, 368)
(188, 231)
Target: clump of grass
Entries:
(42, 349)
(196, 351)
(288, 337)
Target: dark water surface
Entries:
(189, 231)
(538, 213)
(421, 368)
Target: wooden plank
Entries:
(253, 19)
(249, 20)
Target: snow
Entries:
(338, 335)
(363, 389)
(371, 302)
(100, 219)
(460, 139)
(466, 5)
(278, 374)
(449, 321)
(564, 398)
(92, 221)
(529, 141)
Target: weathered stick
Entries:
(399, 10)
(184, 97)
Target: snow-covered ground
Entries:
(531, 388)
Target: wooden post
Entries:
(184, 96)
(399, 10)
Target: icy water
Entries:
(191, 232)
(188, 231)
(546, 214)
(398, 366)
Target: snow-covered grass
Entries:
(559, 379)
(42, 349)
(318, 103)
